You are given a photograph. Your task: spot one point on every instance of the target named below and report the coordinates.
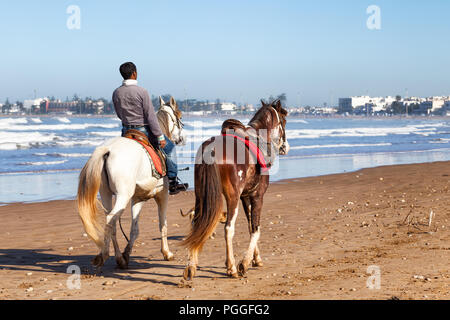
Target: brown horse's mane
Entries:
(260, 119)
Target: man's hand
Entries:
(162, 143)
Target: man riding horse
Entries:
(134, 107)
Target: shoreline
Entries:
(226, 115)
(318, 246)
(291, 168)
(272, 182)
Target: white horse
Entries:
(122, 168)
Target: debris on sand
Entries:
(184, 284)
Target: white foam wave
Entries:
(199, 132)
(63, 120)
(73, 143)
(106, 133)
(42, 163)
(35, 120)
(358, 132)
(204, 124)
(9, 121)
(62, 155)
(56, 127)
(297, 121)
(20, 140)
(320, 146)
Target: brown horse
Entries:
(219, 170)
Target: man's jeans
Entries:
(169, 150)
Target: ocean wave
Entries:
(9, 121)
(62, 155)
(42, 163)
(358, 132)
(200, 132)
(63, 119)
(35, 120)
(204, 124)
(72, 143)
(371, 154)
(297, 121)
(106, 133)
(320, 146)
(55, 127)
(20, 140)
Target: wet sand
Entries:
(319, 236)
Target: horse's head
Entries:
(273, 118)
(169, 116)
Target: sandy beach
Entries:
(319, 236)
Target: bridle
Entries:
(282, 138)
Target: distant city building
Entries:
(58, 106)
(226, 106)
(364, 104)
(32, 104)
(393, 105)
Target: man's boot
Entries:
(175, 187)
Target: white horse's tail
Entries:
(88, 187)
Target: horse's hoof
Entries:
(122, 262)
(168, 256)
(232, 273)
(126, 257)
(189, 273)
(242, 268)
(257, 263)
(98, 261)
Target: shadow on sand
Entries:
(42, 260)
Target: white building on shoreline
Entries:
(410, 105)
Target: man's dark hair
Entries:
(127, 69)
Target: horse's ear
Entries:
(262, 103)
(277, 104)
(172, 102)
(161, 101)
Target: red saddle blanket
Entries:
(156, 157)
(253, 149)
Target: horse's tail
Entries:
(88, 186)
(208, 205)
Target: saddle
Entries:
(256, 144)
(158, 158)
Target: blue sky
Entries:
(315, 51)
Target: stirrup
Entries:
(176, 186)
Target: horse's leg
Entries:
(257, 261)
(252, 252)
(191, 268)
(232, 213)
(162, 199)
(111, 218)
(135, 212)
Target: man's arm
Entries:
(116, 104)
(152, 119)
